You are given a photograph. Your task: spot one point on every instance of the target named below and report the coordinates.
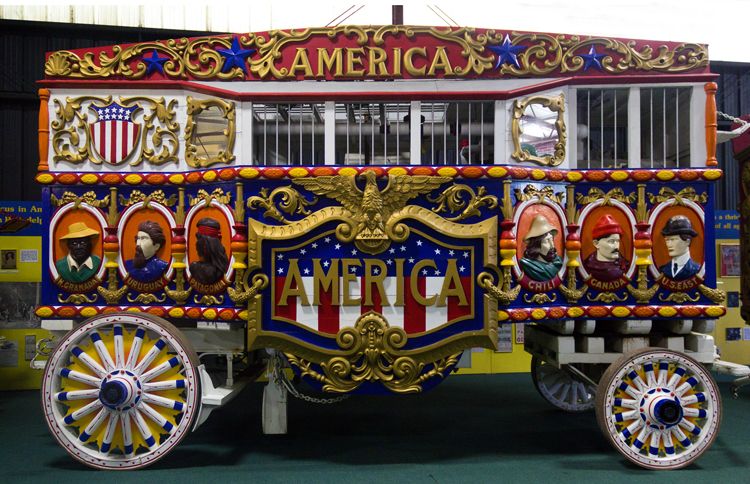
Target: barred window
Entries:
(602, 131)
(288, 134)
(457, 133)
(665, 127)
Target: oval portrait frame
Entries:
(190, 235)
(628, 213)
(561, 224)
(657, 214)
(121, 226)
(55, 242)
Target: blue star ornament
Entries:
(235, 57)
(593, 58)
(154, 63)
(507, 53)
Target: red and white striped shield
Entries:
(413, 306)
(114, 135)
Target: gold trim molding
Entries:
(555, 104)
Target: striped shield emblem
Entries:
(418, 285)
(114, 135)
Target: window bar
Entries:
(312, 117)
(615, 155)
(432, 132)
(481, 135)
(445, 135)
(359, 123)
(469, 145)
(664, 125)
(346, 116)
(651, 125)
(276, 155)
(457, 160)
(265, 144)
(588, 121)
(398, 134)
(288, 133)
(372, 132)
(299, 160)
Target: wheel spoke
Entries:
(690, 427)
(681, 437)
(640, 440)
(142, 426)
(694, 412)
(163, 402)
(77, 395)
(163, 385)
(82, 412)
(135, 348)
(109, 434)
(663, 373)
(625, 416)
(93, 425)
(650, 378)
(151, 413)
(127, 433)
(689, 384)
(158, 370)
(103, 352)
(668, 443)
(678, 373)
(654, 447)
(694, 398)
(620, 402)
(80, 377)
(150, 356)
(84, 358)
(119, 347)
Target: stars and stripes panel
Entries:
(413, 304)
(114, 135)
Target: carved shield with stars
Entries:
(114, 135)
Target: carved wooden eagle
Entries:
(370, 208)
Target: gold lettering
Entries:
(353, 58)
(409, 62)
(441, 61)
(332, 62)
(378, 58)
(323, 282)
(293, 275)
(376, 279)
(452, 286)
(397, 62)
(301, 63)
(348, 277)
(399, 282)
(424, 301)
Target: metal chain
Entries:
(279, 377)
(739, 121)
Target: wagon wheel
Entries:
(659, 408)
(561, 388)
(121, 390)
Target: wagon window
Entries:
(288, 133)
(665, 127)
(602, 131)
(373, 133)
(457, 133)
(210, 132)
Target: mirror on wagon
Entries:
(539, 130)
(210, 132)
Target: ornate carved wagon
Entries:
(363, 204)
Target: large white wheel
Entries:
(659, 408)
(121, 390)
(561, 388)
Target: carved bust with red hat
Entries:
(606, 263)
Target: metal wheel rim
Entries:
(561, 389)
(112, 405)
(626, 410)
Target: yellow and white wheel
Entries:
(121, 390)
(659, 408)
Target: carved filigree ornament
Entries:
(203, 196)
(679, 297)
(503, 296)
(210, 132)
(524, 151)
(531, 192)
(157, 196)
(689, 193)
(452, 200)
(542, 54)
(596, 194)
(606, 298)
(89, 198)
(373, 354)
(157, 139)
(281, 199)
